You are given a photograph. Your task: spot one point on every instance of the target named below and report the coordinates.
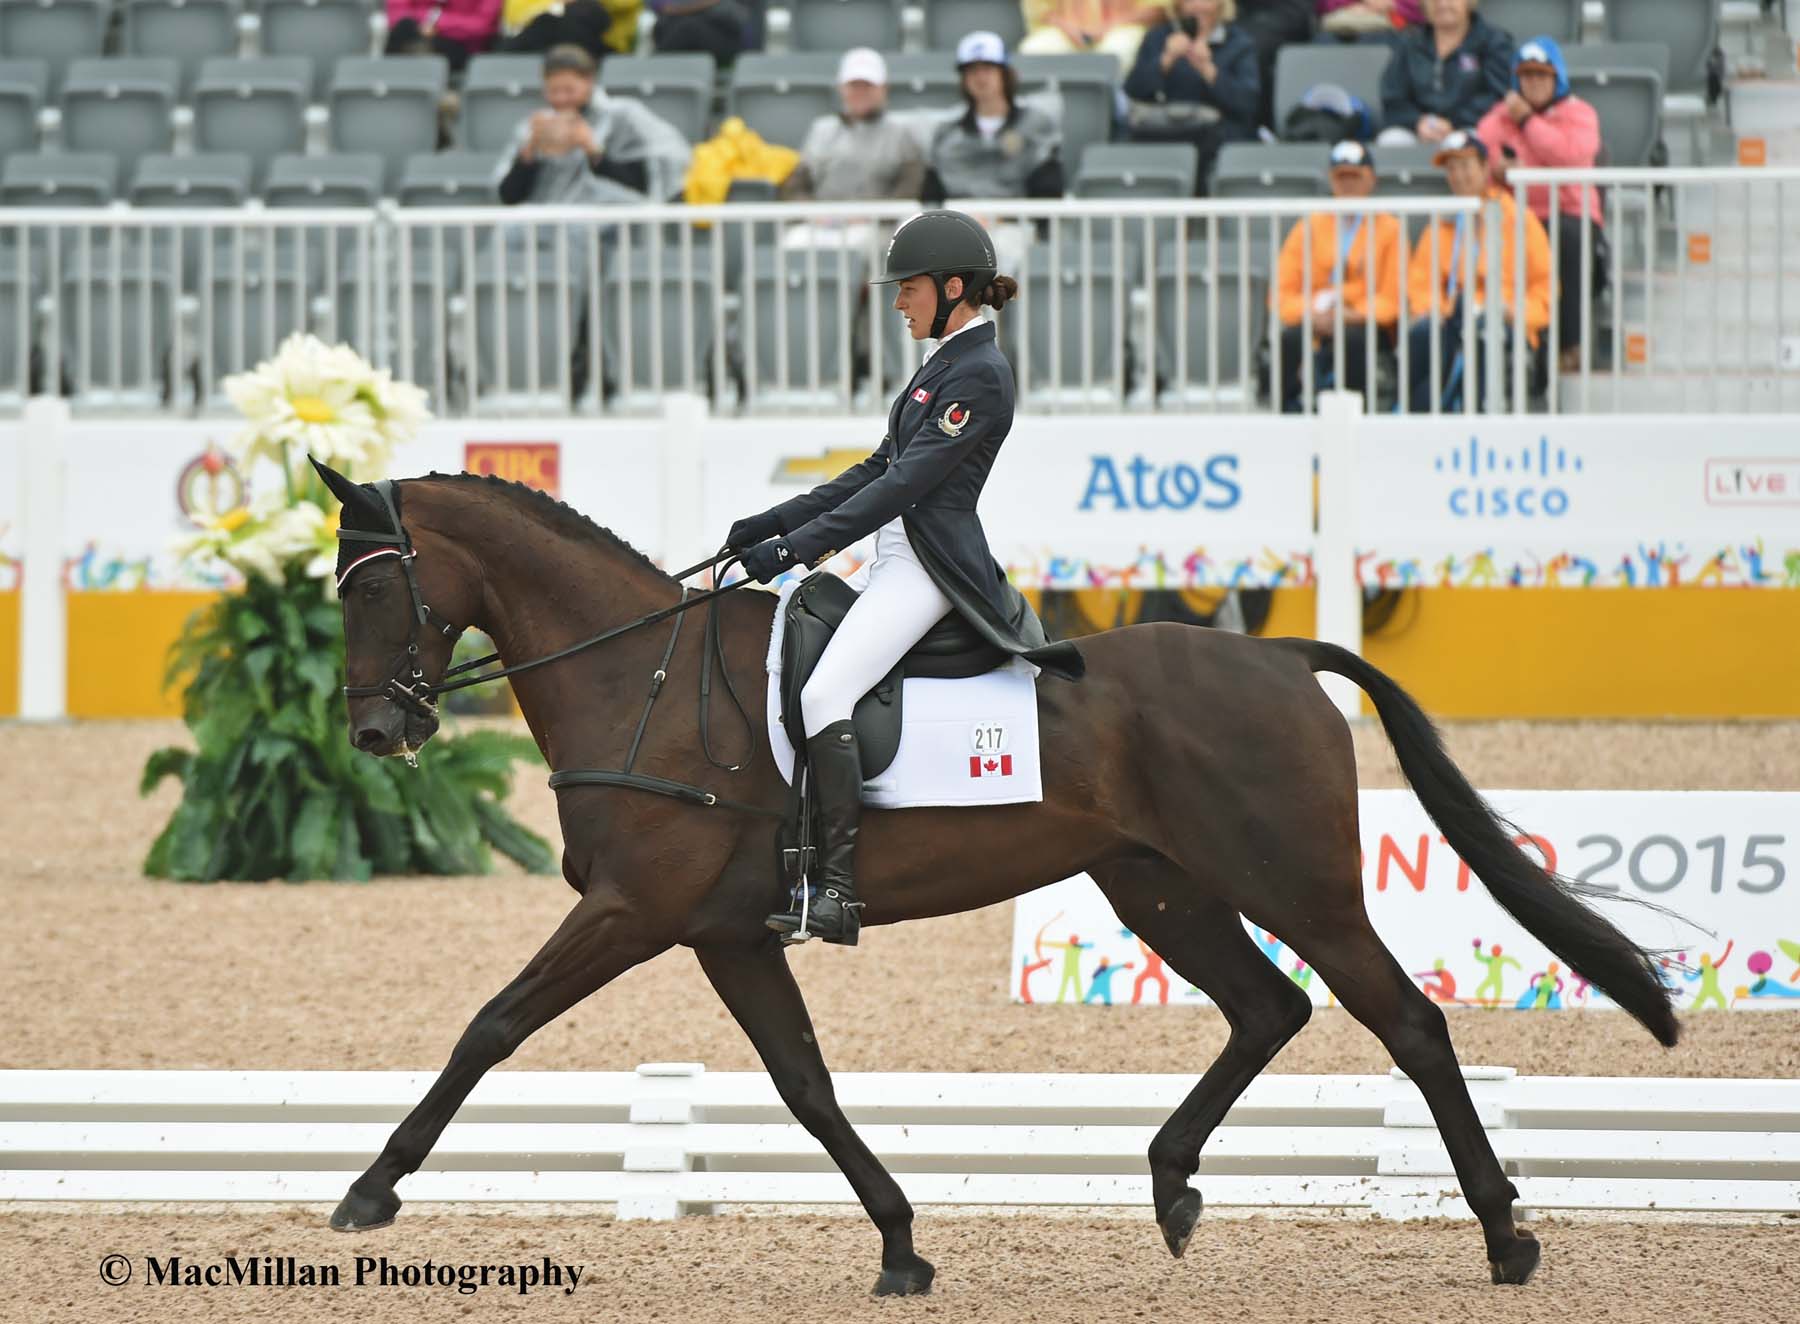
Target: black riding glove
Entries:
(746, 533)
(766, 560)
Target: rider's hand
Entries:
(766, 560)
(746, 533)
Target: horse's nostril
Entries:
(370, 737)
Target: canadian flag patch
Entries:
(990, 765)
(922, 395)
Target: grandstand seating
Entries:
(836, 25)
(321, 31)
(448, 179)
(255, 106)
(1069, 342)
(1253, 170)
(1625, 85)
(779, 96)
(1086, 85)
(120, 105)
(498, 92)
(1525, 19)
(949, 21)
(186, 31)
(387, 105)
(1689, 28)
(217, 179)
(55, 31)
(1357, 69)
(59, 179)
(1210, 344)
(677, 87)
(23, 87)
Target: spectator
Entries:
(1270, 25)
(587, 147)
(1359, 20)
(1444, 76)
(454, 29)
(719, 28)
(597, 26)
(1076, 27)
(858, 153)
(1355, 266)
(1195, 80)
(1540, 124)
(1464, 160)
(996, 148)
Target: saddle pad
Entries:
(962, 742)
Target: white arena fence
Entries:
(1128, 304)
(673, 1138)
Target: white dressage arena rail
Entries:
(673, 1138)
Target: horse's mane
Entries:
(559, 515)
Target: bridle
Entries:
(409, 688)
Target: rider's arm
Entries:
(928, 458)
(828, 496)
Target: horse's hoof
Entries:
(910, 1279)
(360, 1211)
(1519, 1262)
(1178, 1223)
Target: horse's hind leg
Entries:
(1340, 944)
(1203, 940)
(757, 987)
(598, 940)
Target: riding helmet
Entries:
(941, 244)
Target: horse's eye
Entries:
(374, 588)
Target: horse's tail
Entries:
(1550, 907)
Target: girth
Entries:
(950, 650)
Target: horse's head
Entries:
(401, 593)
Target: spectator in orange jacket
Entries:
(1355, 266)
(1464, 161)
(1541, 124)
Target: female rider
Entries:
(917, 494)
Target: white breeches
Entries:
(892, 614)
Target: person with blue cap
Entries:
(996, 148)
(1542, 125)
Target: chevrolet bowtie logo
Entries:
(808, 470)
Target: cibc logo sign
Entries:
(1492, 482)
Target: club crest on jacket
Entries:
(955, 419)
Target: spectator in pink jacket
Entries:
(454, 29)
(1540, 125)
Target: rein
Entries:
(420, 695)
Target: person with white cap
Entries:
(860, 153)
(997, 148)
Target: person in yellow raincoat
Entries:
(598, 26)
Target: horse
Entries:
(1197, 776)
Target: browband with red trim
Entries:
(369, 556)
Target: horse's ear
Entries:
(354, 496)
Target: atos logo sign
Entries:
(1491, 483)
(1141, 484)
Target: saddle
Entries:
(950, 650)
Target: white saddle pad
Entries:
(962, 742)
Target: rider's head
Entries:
(944, 267)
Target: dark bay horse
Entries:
(1196, 775)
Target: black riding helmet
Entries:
(941, 244)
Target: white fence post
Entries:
(664, 1107)
(43, 612)
(1339, 618)
(682, 448)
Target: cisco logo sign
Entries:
(1492, 482)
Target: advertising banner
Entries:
(1715, 871)
(1079, 502)
(1662, 502)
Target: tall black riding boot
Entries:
(834, 765)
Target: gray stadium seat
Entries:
(1137, 170)
(678, 87)
(1355, 68)
(498, 92)
(23, 87)
(389, 106)
(837, 25)
(1087, 85)
(115, 334)
(1407, 172)
(349, 179)
(254, 106)
(59, 179)
(786, 363)
(1628, 100)
(1073, 331)
(1689, 28)
(1526, 19)
(55, 31)
(323, 31)
(949, 21)
(510, 300)
(449, 179)
(187, 31)
(1279, 170)
(779, 96)
(217, 179)
(15, 350)
(923, 80)
(1234, 351)
(120, 106)
(685, 331)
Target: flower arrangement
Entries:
(273, 789)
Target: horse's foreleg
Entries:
(757, 987)
(1203, 940)
(597, 941)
